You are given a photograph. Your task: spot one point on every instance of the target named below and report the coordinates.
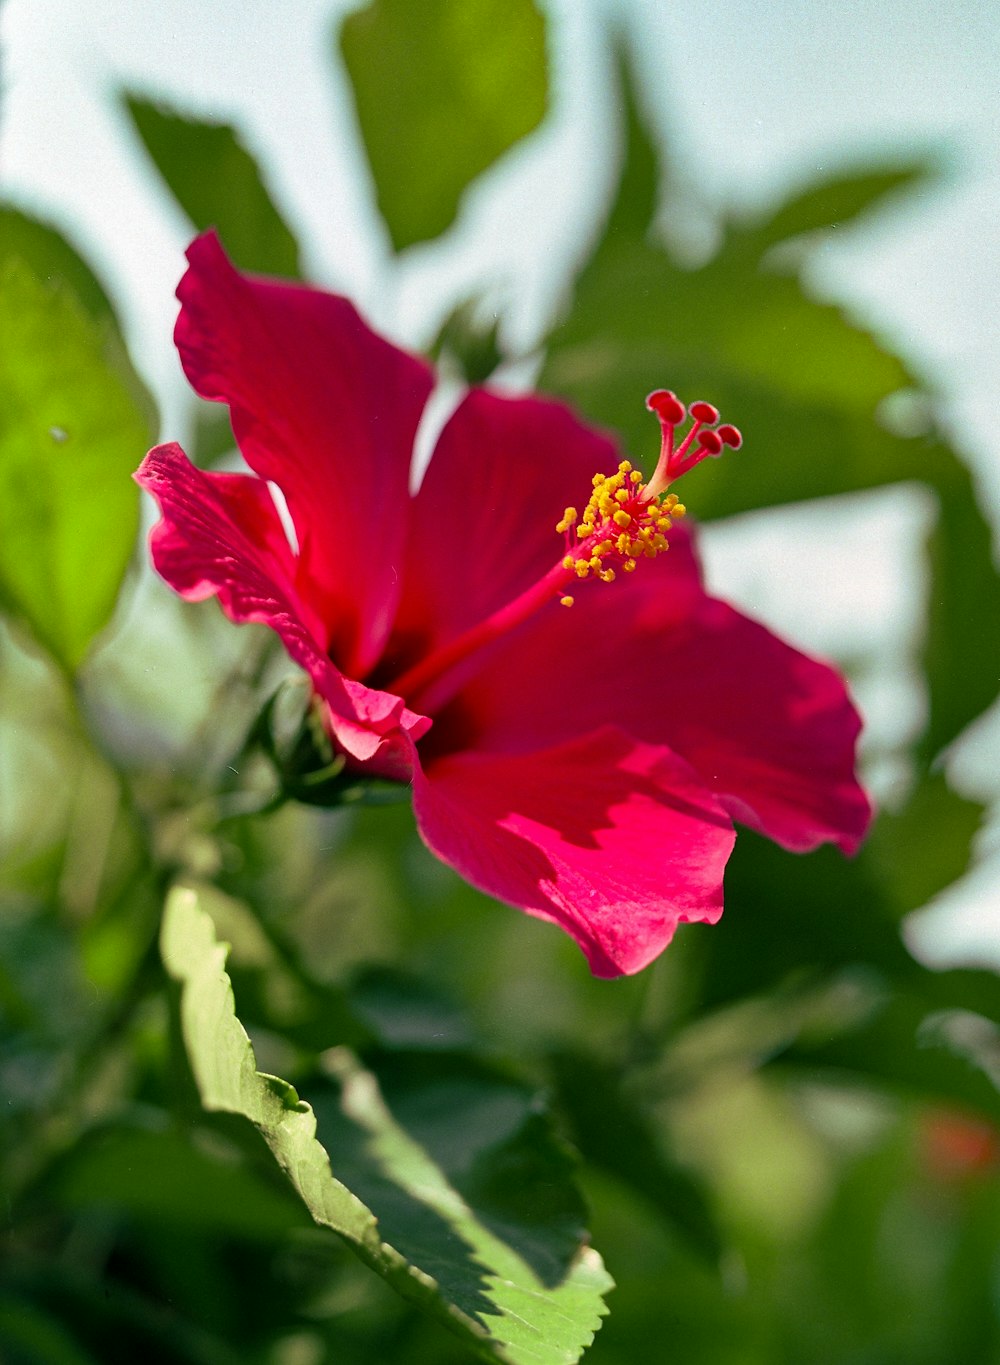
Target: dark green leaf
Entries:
(631, 1149)
(218, 184)
(481, 1284)
(29, 1336)
(938, 1056)
(441, 89)
(470, 342)
(72, 430)
(163, 1177)
(404, 1012)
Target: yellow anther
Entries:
(621, 524)
(566, 601)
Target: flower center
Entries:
(621, 524)
(624, 521)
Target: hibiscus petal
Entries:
(221, 535)
(484, 519)
(325, 409)
(770, 730)
(615, 841)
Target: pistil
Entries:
(624, 521)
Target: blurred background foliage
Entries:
(781, 1139)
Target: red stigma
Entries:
(710, 442)
(704, 412)
(667, 406)
(703, 437)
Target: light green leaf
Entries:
(73, 427)
(52, 259)
(218, 184)
(442, 89)
(466, 1272)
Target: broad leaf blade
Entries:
(471, 1278)
(73, 427)
(442, 89)
(218, 184)
(805, 385)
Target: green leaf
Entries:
(52, 259)
(160, 1176)
(218, 184)
(632, 1148)
(470, 341)
(470, 1270)
(837, 200)
(945, 1056)
(804, 384)
(72, 430)
(442, 89)
(29, 1336)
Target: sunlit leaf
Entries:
(442, 89)
(52, 259)
(72, 430)
(218, 184)
(481, 1279)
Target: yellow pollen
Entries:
(621, 524)
(566, 601)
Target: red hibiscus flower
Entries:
(576, 747)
